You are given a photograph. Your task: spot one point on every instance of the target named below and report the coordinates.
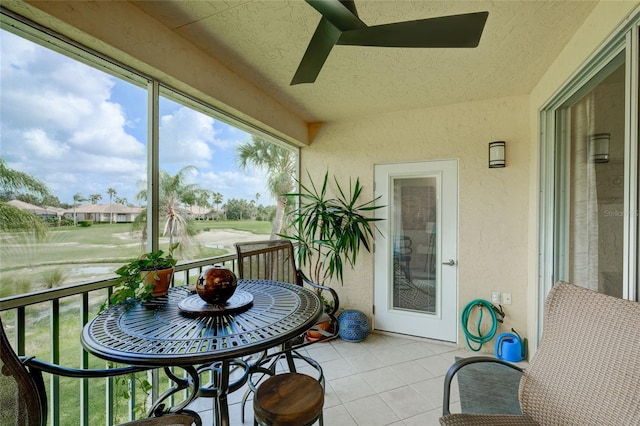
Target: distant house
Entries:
(41, 212)
(116, 213)
(199, 212)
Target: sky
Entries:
(83, 131)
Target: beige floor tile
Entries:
(338, 416)
(365, 362)
(351, 388)
(323, 352)
(371, 411)
(337, 368)
(393, 355)
(438, 365)
(411, 372)
(429, 418)
(330, 397)
(383, 379)
(431, 390)
(386, 380)
(406, 402)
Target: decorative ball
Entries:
(216, 285)
(354, 325)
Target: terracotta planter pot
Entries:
(324, 324)
(161, 280)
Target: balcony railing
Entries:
(65, 311)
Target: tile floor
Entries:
(385, 380)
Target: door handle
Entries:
(451, 262)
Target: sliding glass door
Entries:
(591, 191)
(589, 175)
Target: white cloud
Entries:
(82, 131)
(185, 137)
(58, 115)
(37, 141)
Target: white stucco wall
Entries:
(493, 205)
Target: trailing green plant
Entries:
(131, 389)
(330, 230)
(130, 283)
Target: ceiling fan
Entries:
(340, 25)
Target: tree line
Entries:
(176, 193)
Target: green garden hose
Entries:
(479, 338)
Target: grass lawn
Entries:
(75, 254)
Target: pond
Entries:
(92, 270)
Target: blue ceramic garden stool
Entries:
(354, 325)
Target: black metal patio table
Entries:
(162, 334)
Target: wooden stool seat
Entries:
(288, 399)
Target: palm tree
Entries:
(12, 218)
(280, 164)
(95, 198)
(111, 193)
(202, 201)
(216, 199)
(174, 193)
(77, 198)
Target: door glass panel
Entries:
(414, 233)
(596, 187)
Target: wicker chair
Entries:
(23, 399)
(585, 372)
(275, 260)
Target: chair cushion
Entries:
(587, 368)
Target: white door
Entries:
(416, 277)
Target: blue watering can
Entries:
(509, 347)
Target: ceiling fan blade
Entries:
(319, 47)
(446, 31)
(342, 16)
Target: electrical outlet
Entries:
(495, 297)
(506, 298)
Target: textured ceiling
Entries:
(264, 40)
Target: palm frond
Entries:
(330, 230)
(12, 219)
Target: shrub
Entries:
(53, 277)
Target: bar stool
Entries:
(288, 399)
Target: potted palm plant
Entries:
(330, 230)
(145, 277)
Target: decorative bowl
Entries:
(216, 285)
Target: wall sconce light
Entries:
(496, 154)
(599, 147)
